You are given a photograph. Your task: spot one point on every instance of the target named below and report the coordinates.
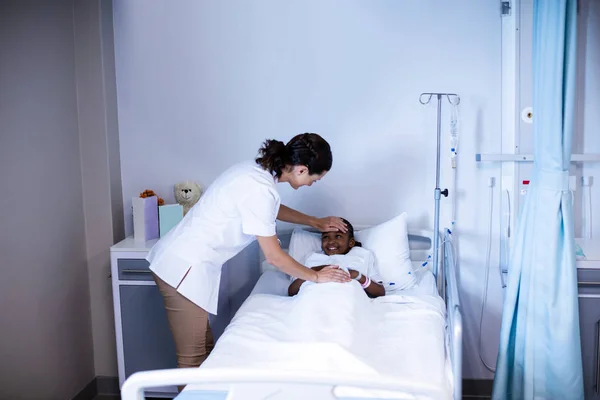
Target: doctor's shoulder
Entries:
(257, 183)
(240, 179)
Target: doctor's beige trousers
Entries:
(189, 325)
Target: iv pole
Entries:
(453, 99)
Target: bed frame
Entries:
(421, 245)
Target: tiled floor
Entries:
(111, 397)
(107, 397)
(114, 397)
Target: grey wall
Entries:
(46, 349)
(101, 176)
(60, 171)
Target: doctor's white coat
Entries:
(241, 204)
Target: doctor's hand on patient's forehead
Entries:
(330, 224)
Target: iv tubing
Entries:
(487, 278)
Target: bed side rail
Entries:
(242, 379)
(454, 316)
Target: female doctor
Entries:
(241, 205)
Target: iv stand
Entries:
(453, 99)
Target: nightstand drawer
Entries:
(134, 269)
(588, 281)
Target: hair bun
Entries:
(272, 156)
(306, 149)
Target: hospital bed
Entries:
(420, 342)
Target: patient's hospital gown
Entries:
(358, 259)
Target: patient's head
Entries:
(338, 242)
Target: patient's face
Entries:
(336, 243)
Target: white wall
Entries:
(201, 84)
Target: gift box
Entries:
(169, 215)
(145, 218)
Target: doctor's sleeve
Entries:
(258, 210)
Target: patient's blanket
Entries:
(334, 327)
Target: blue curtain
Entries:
(540, 354)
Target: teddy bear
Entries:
(187, 194)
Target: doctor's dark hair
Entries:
(351, 232)
(308, 149)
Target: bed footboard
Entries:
(453, 313)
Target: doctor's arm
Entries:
(294, 287)
(327, 224)
(280, 259)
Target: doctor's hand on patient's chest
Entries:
(332, 273)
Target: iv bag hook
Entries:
(453, 98)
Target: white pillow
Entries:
(302, 243)
(389, 242)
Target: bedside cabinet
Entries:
(588, 280)
(589, 324)
(144, 340)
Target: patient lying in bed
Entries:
(343, 250)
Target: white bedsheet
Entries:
(336, 328)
